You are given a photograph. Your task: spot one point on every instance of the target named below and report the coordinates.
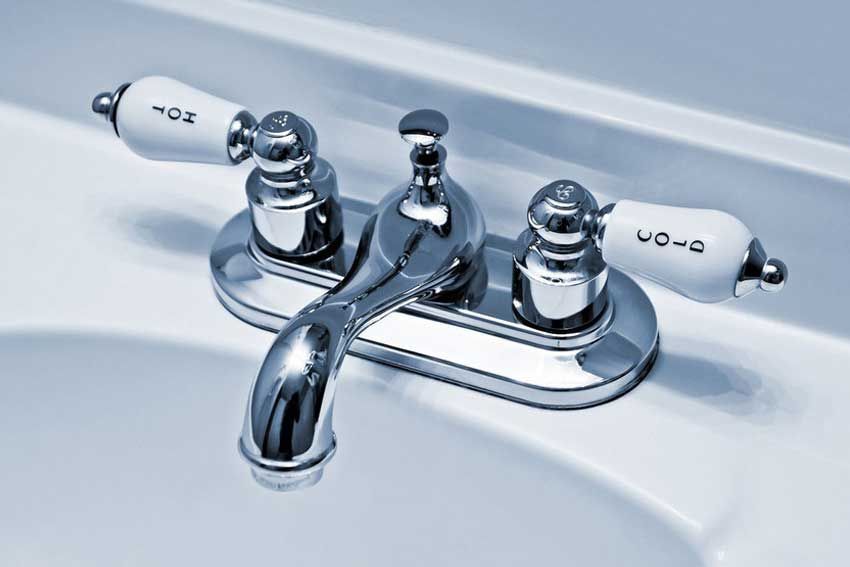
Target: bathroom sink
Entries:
(122, 451)
(123, 381)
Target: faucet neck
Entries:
(427, 198)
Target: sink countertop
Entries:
(354, 82)
(738, 437)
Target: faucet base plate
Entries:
(483, 347)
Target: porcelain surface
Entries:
(734, 451)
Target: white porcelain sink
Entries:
(121, 451)
(123, 382)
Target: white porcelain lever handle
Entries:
(163, 119)
(704, 254)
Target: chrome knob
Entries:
(560, 278)
(102, 103)
(106, 104)
(774, 274)
(560, 212)
(423, 128)
(292, 193)
(758, 271)
(282, 143)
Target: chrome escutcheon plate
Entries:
(482, 347)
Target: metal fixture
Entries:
(425, 288)
(561, 261)
(560, 279)
(292, 193)
(106, 103)
(760, 272)
(424, 241)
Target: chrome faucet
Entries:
(572, 329)
(424, 242)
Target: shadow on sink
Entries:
(735, 390)
(169, 231)
(111, 441)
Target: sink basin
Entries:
(123, 381)
(122, 451)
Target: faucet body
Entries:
(424, 242)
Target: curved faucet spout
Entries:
(403, 257)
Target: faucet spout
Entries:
(406, 254)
